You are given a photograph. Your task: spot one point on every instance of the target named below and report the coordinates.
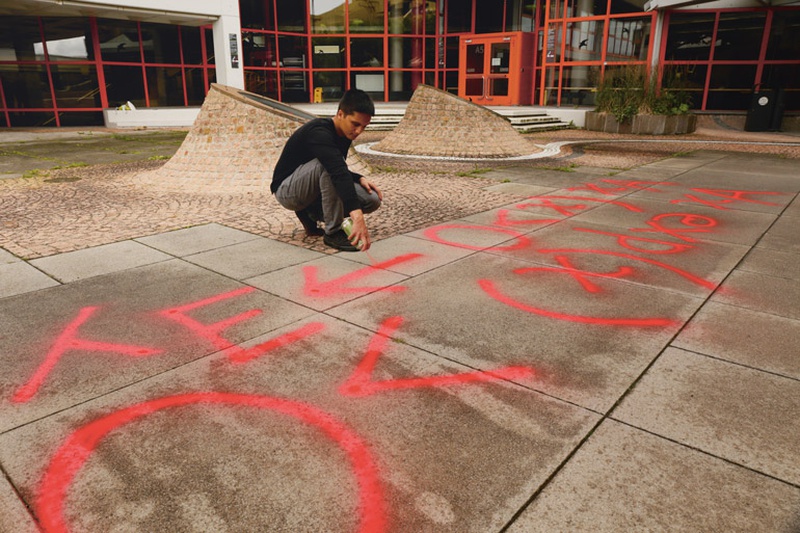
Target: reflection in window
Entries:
(688, 78)
(327, 16)
(332, 84)
(628, 39)
(195, 86)
(328, 52)
(160, 43)
(192, 50)
(119, 40)
(75, 85)
(19, 37)
(366, 16)
(366, 52)
(787, 79)
(68, 39)
(25, 86)
(165, 86)
(689, 36)
(578, 85)
(585, 40)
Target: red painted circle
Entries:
(79, 446)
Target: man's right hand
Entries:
(360, 232)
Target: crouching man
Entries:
(312, 179)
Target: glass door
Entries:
(485, 70)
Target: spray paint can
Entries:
(347, 227)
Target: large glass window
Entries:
(160, 43)
(365, 52)
(585, 40)
(119, 40)
(165, 86)
(124, 84)
(739, 35)
(256, 14)
(459, 16)
(291, 15)
(731, 86)
(20, 39)
(366, 16)
(787, 79)
(784, 37)
(327, 16)
(75, 85)
(689, 36)
(25, 86)
(328, 52)
(628, 39)
(488, 16)
(68, 39)
(192, 49)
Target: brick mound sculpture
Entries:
(439, 124)
(233, 145)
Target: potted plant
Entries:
(629, 100)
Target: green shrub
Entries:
(630, 90)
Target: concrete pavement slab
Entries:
(302, 439)
(759, 292)
(782, 236)
(72, 343)
(20, 278)
(484, 313)
(6, 257)
(14, 515)
(624, 479)
(329, 281)
(105, 259)
(756, 340)
(775, 263)
(739, 414)
(252, 258)
(196, 239)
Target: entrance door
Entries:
(494, 71)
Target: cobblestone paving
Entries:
(75, 208)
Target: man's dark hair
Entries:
(356, 101)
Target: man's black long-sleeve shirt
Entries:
(317, 139)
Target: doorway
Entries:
(496, 68)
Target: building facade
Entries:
(62, 63)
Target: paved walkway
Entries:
(583, 346)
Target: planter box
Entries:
(642, 124)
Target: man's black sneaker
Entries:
(309, 223)
(339, 240)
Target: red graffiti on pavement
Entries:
(491, 289)
(69, 341)
(360, 382)
(315, 288)
(73, 454)
(728, 197)
(570, 210)
(619, 186)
